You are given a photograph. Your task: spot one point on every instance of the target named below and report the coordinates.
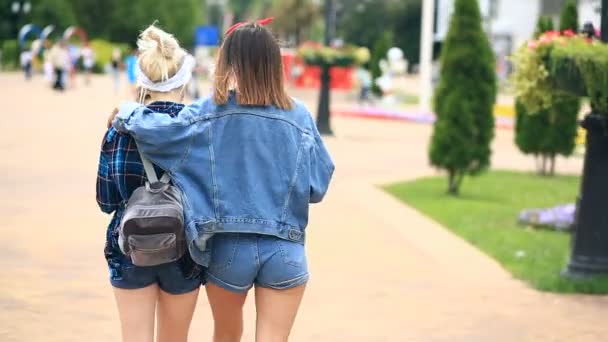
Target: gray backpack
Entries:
(152, 228)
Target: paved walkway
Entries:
(380, 271)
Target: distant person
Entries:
(131, 70)
(74, 54)
(364, 78)
(193, 89)
(115, 68)
(60, 59)
(88, 61)
(47, 66)
(25, 59)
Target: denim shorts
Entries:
(238, 261)
(176, 277)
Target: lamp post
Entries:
(215, 12)
(589, 255)
(323, 111)
(426, 55)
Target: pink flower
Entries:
(544, 39)
(532, 44)
(569, 33)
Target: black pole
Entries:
(604, 22)
(589, 256)
(324, 99)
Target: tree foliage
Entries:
(116, 20)
(364, 22)
(569, 17)
(379, 52)
(294, 17)
(544, 24)
(464, 98)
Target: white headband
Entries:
(181, 77)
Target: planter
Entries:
(565, 75)
(590, 232)
(318, 55)
(566, 63)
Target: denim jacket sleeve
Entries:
(162, 138)
(322, 168)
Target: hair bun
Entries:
(159, 53)
(159, 40)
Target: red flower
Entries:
(569, 33)
(545, 39)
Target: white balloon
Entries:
(395, 54)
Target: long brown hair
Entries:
(251, 57)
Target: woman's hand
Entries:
(111, 117)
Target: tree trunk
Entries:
(538, 160)
(454, 180)
(552, 171)
(543, 164)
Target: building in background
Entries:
(510, 23)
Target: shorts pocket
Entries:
(291, 252)
(223, 251)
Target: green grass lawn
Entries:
(486, 213)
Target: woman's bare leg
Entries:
(227, 309)
(136, 311)
(276, 312)
(174, 315)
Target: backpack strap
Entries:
(150, 173)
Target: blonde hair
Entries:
(160, 55)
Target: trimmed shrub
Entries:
(465, 98)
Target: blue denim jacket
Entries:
(242, 169)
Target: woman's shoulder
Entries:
(301, 114)
(202, 106)
(114, 140)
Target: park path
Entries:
(380, 270)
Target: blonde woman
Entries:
(166, 293)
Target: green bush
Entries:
(569, 17)
(379, 51)
(544, 24)
(10, 54)
(464, 98)
(549, 132)
(552, 130)
(103, 52)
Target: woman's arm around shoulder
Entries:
(163, 138)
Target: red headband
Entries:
(262, 22)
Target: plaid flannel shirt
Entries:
(121, 172)
(120, 168)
